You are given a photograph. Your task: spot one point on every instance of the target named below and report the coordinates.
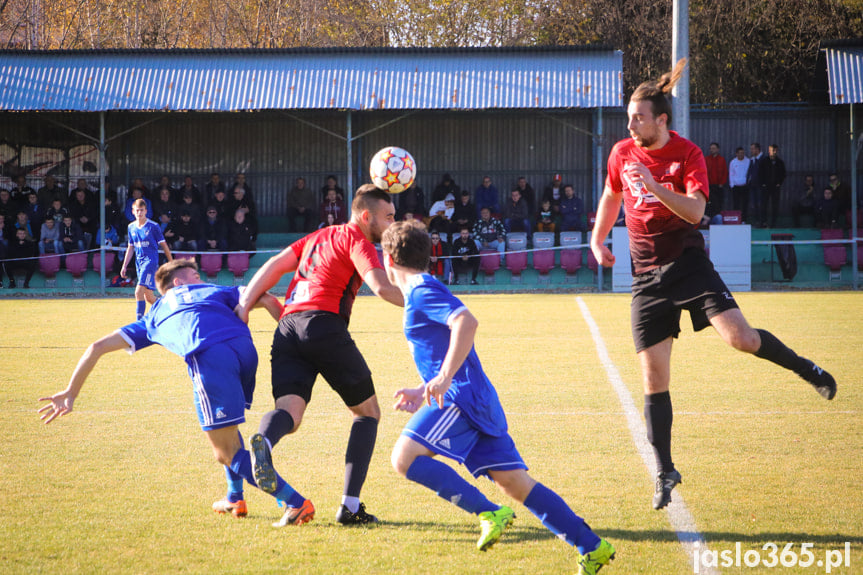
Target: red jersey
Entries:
(717, 170)
(332, 264)
(657, 235)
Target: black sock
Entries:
(361, 445)
(275, 425)
(774, 350)
(658, 417)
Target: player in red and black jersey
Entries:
(661, 178)
(312, 338)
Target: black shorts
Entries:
(309, 343)
(690, 282)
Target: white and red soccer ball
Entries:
(393, 169)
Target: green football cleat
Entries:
(493, 523)
(591, 563)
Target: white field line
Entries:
(681, 519)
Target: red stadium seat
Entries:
(211, 264)
(489, 261)
(570, 257)
(76, 264)
(543, 258)
(109, 262)
(238, 264)
(731, 217)
(592, 264)
(835, 255)
(516, 262)
(49, 265)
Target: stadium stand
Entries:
(109, 262)
(835, 255)
(731, 217)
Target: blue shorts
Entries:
(449, 433)
(224, 381)
(147, 275)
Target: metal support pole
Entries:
(101, 202)
(680, 49)
(350, 179)
(598, 181)
(854, 195)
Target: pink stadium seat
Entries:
(489, 261)
(570, 257)
(732, 217)
(49, 265)
(109, 262)
(211, 264)
(76, 264)
(516, 263)
(835, 255)
(591, 220)
(238, 264)
(592, 264)
(543, 258)
(184, 256)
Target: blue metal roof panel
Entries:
(360, 80)
(845, 74)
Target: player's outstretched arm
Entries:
(409, 399)
(265, 278)
(463, 329)
(606, 215)
(377, 281)
(61, 403)
(129, 251)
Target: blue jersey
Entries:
(145, 240)
(189, 319)
(429, 307)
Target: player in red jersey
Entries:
(662, 180)
(312, 338)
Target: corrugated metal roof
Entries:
(360, 79)
(845, 73)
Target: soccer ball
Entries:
(393, 169)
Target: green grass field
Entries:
(125, 483)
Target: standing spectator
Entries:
(23, 250)
(439, 264)
(842, 195)
(805, 201)
(465, 256)
(20, 191)
(214, 231)
(411, 200)
(773, 176)
(48, 192)
(333, 205)
(35, 213)
(214, 185)
(241, 236)
(527, 192)
(85, 213)
(487, 196)
(545, 217)
(464, 213)
(138, 184)
(49, 238)
(717, 175)
(756, 178)
(489, 233)
(165, 183)
(196, 211)
(137, 193)
(8, 209)
(331, 183)
(554, 192)
(738, 179)
(190, 188)
(164, 209)
(446, 186)
(515, 214)
(301, 204)
(240, 180)
(81, 186)
(113, 217)
(571, 211)
(221, 203)
(71, 236)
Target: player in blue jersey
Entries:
(145, 238)
(457, 412)
(197, 322)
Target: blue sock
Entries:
(242, 466)
(140, 308)
(449, 485)
(558, 518)
(235, 485)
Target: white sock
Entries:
(352, 503)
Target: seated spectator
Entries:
(164, 209)
(527, 192)
(113, 217)
(109, 236)
(215, 184)
(138, 184)
(439, 266)
(85, 212)
(554, 192)
(4, 248)
(71, 236)
(332, 205)
(56, 211)
(49, 238)
(515, 214)
(440, 215)
(545, 217)
(136, 193)
(332, 184)
(465, 256)
(487, 196)
(464, 213)
(184, 233)
(50, 191)
(187, 202)
(8, 209)
(805, 202)
(301, 204)
(22, 222)
(82, 186)
(841, 195)
(240, 180)
(411, 216)
(446, 186)
(214, 231)
(571, 211)
(20, 191)
(35, 213)
(23, 251)
(827, 212)
(189, 187)
(241, 236)
(222, 205)
(489, 233)
(165, 182)
(411, 200)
